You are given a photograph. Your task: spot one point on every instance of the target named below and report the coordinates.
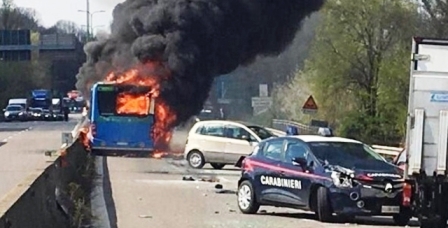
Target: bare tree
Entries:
(12, 17)
(435, 17)
(67, 27)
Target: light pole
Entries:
(90, 19)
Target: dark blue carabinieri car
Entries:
(327, 175)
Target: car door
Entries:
(240, 142)
(299, 179)
(270, 157)
(211, 141)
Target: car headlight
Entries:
(341, 180)
(7, 113)
(21, 114)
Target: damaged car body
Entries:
(327, 175)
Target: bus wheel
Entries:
(196, 159)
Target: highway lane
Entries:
(22, 147)
(142, 192)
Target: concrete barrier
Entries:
(46, 199)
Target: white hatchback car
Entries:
(221, 142)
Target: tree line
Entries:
(358, 66)
(17, 78)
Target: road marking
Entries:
(15, 134)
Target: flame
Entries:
(132, 104)
(83, 136)
(149, 74)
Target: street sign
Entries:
(261, 101)
(310, 106)
(259, 110)
(263, 89)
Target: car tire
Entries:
(217, 165)
(196, 159)
(247, 202)
(323, 208)
(403, 218)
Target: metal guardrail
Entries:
(303, 128)
(280, 125)
(387, 150)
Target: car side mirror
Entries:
(301, 161)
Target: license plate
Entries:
(122, 143)
(390, 209)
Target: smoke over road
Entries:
(196, 40)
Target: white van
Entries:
(222, 142)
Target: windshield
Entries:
(261, 132)
(40, 103)
(120, 101)
(36, 110)
(13, 108)
(343, 153)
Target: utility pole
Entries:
(88, 19)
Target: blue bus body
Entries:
(41, 98)
(110, 131)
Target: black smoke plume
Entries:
(196, 39)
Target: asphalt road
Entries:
(143, 192)
(22, 148)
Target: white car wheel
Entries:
(244, 197)
(247, 202)
(196, 159)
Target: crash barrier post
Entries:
(280, 125)
(45, 199)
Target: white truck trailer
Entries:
(427, 133)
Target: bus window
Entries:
(123, 100)
(106, 102)
(132, 104)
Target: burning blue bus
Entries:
(121, 118)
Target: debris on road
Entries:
(204, 179)
(225, 191)
(145, 216)
(220, 190)
(188, 178)
(218, 186)
(209, 179)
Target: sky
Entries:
(51, 11)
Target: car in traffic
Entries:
(222, 142)
(14, 113)
(51, 116)
(323, 174)
(35, 113)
